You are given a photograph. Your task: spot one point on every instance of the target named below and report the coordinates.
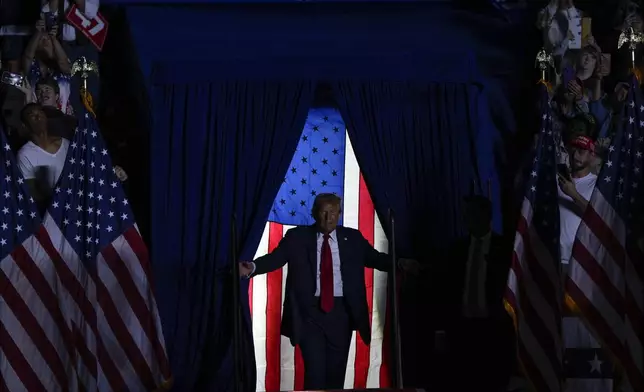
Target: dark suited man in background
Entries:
(479, 332)
(325, 292)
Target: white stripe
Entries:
(351, 188)
(349, 375)
(379, 310)
(351, 210)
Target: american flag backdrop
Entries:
(534, 294)
(324, 162)
(78, 311)
(607, 265)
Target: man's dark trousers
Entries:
(325, 345)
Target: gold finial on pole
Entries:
(84, 68)
(632, 38)
(543, 61)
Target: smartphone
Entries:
(563, 170)
(50, 21)
(568, 76)
(12, 79)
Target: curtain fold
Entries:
(415, 146)
(218, 148)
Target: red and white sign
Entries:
(95, 29)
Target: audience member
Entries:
(42, 158)
(44, 57)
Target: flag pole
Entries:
(237, 322)
(395, 311)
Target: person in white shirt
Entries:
(575, 192)
(42, 158)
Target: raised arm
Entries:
(62, 61)
(270, 262)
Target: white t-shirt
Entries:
(570, 214)
(31, 157)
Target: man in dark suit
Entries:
(477, 327)
(325, 296)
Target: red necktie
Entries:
(326, 276)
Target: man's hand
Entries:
(53, 32)
(621, 92)
(410, 265)
(567, 186)
(120, 173)
(575, 89)
(245, 269)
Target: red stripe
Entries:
(23, 314)
(250, 297)
(366, 226)
(299, 370)
(18, 362)
(273, 314)
(78, 294)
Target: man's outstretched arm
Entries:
(270, 262)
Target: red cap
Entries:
(583, 142)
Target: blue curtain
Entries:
(415, 146)
(217, 148)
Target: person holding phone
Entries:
(45, 58)
(575, 190)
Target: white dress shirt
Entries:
(475, 295)
(335, 257)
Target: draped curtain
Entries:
(218, 148)
(415, 146)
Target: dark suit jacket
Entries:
(299, 249)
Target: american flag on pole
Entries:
(78, 312)
(607, 264)
(324, 162)
(533, 296)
